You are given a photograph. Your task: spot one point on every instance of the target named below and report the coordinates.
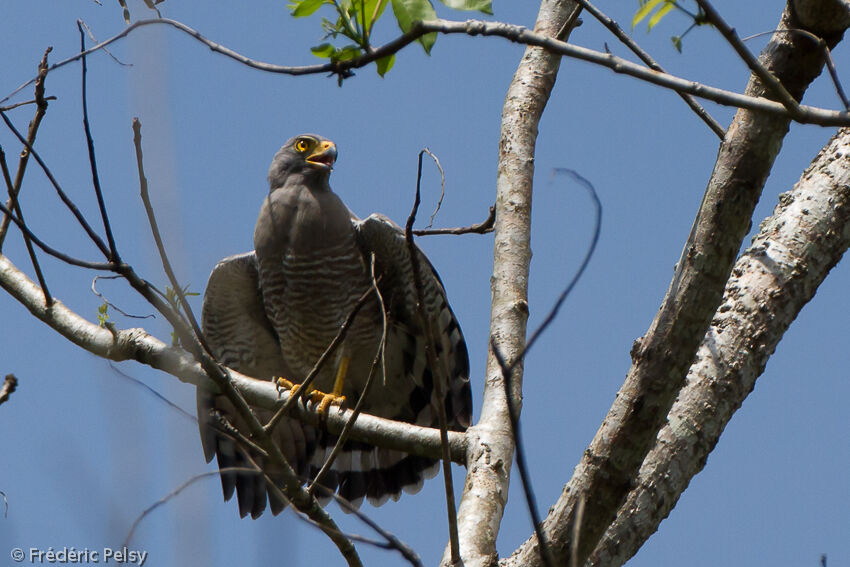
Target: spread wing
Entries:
(408, 334)
(242, 338)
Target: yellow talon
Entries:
(283, 383)
(324, 400)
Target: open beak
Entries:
(324, 156)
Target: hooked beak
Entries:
(324, 156)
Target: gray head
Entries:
(307, 159)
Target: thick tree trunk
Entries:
(662, 357)
(771, 282)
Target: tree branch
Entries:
(482, 227)
(491, 444)
(10, 384)
(41, 108)
(136, 344)
(516, 34)
(440, 378)
(662, 357)
(626, 40)
(771, 282)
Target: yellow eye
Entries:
(302, 145)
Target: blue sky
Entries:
(86, 450)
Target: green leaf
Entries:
(409, 11)
(369, 8)
(656, 17)
(385, 64)
(485, 6)
(677, 42)
(644, 11)
(303, 8)
(324, 50)
(347, 53)
(103, 314)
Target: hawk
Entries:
(272, 312)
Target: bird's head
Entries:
(305, 158)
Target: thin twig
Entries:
(406, 551)
(451, 510)
(620, 34)
(507, 368)
(15, 187)
(42, 282)
(770, 82)
(304, 386)
(553, 313)
(354, 537)
(62, 195)
(53, 251)
(173, 494)
(517, 34)
(442, 190)
(26, 102)
(522, 467)
(41, 108)
(379, 358)
(480, 228)
(153, 392)
(10, 384)
(112, 305)
(827, 54)
(94, 39)
(166, 264)
(113, 251)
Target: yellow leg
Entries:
(341, 372)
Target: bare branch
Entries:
(62, 195)
(41, 108)
(525, 479)
(770, 82)
(620, 34)
(491, 445)
(10, 384)
(24, 103)
(508, 367)
(553, 312)
(166, 264)
(395, 543)
(662, 357)
(136, 344)
(482, 227)
(827, 53)
(53, 251)
(113, 251)
(517, 34)
(430, 353)
(112, 305)
(773, 279)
